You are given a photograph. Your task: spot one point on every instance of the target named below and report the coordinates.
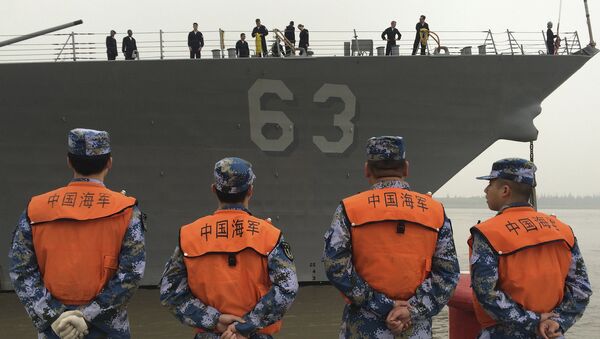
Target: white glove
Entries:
(70, 325)
(56, 324)
(75, 327)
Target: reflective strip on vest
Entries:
(225, 255)
(394, 235)
(77, 233)
(534, 252)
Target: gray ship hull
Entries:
(302, 122)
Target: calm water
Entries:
(586, 228)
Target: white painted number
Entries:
(343, 120)
(259, 118)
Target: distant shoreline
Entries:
(544, 202)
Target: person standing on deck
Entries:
(111, 46)
(303, 44)
(195, 42)
(391, 34)
(290, 35)
(550, 39)
(129, 46)
(422, 28)
(241, 47)
(259, 33)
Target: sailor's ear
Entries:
(405, 170)
(368, 173)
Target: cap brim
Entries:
(487, 177)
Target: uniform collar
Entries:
(514, 205)
(84, 181)
(391, 184)
(229, 207)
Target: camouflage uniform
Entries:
(515, 321)
(232, 175)
(365, 316)
(106, 314)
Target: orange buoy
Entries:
(463, 324)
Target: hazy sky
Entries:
(569, 125)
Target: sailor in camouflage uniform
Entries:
(527, 272)
(390, 251)
(78, 254)
(232, 274)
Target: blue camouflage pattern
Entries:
(386, 148)
(515, 321)
(106, 314)
(176, 295)
(88, 142)
(233, 175)
(365, 316)
(513, 169)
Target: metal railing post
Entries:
(577, 39)
(510, 42)
(493, 42)
(63, 48)
(589, 24)
(544, 37)
(162, 56)
(567, 45)
(73, 44)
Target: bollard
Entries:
(231, 53)
(396, 50)
(463, 324)
(380, 51)
(216, 53)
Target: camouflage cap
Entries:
(233, 175)
(385, 148)
(514, 169)
(88, 142)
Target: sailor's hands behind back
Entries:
(70, 325)
(225, 320)
(549, 328)
(231, 333)
(398, 320)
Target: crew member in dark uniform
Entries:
(550, 38)
(303, 44)
(390, 35)
(111, 46)
(262, 30)
(195, 42)
(241, 47)
(276, 48)
(421, 24)
(290, 34)
(129, 46)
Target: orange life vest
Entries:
(534, 258)
(77, 235)
(394, 234)
(225, 255)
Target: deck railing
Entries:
(77, 46)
